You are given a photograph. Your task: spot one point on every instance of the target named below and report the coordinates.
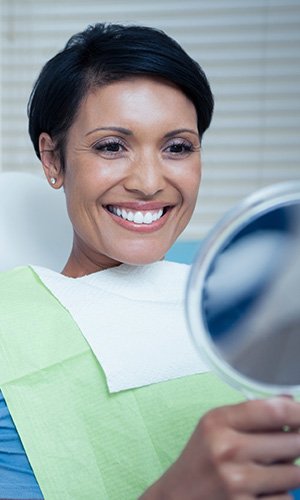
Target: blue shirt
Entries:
(17, 480)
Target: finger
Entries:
(278, 497)
(269, 448)
(262, 415)
(272, 479)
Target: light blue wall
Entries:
(183, 251)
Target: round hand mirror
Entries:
(243, 294)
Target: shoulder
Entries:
(174, 271)
(177, 267)
(14, 276)
(20, 287)
(17, 277)
(170, 278)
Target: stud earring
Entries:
(52, 180)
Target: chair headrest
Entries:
(34, 225)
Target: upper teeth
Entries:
(137, 217)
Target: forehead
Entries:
(137, 101)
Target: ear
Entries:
(51, 161)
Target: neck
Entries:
(81, 264)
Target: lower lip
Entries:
(141, 228)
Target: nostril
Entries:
(146, 181)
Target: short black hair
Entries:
(104, 53)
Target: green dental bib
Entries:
(83, 442)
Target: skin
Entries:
(237, 452)
(134, 144)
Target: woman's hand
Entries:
(238, 452)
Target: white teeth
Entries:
(148, 218)
(130, 216)
(136, 217)
(160, 212)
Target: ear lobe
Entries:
(50, 161)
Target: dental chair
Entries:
(34, 226)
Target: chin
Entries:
(143, 258)
(141, 252)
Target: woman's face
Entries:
(132, 172)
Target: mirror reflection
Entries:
(251, 299)
(243, 297)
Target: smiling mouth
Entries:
(137, 216)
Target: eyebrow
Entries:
(122, 130)
(180, 130)
(126, 131)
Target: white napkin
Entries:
(133, 319)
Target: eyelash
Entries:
(185, 146)
(101, 146)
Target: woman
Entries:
(96, 367)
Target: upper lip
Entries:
(140, 205)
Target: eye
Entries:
(110, 147)
(179, 147)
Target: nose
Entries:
(146, 176)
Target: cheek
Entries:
(80, 198)
(190, 185)
(93, 180)
(82, 185)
